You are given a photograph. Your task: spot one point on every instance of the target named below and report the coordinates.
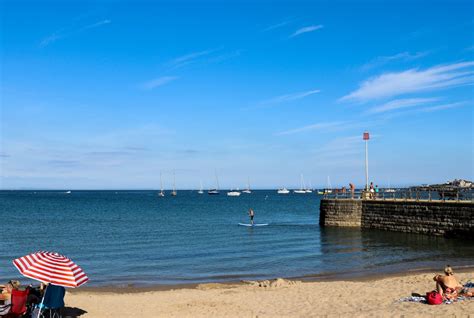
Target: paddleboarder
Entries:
(251, 215)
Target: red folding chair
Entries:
(18, 304)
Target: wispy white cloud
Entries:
(307, 29)
(442, 107)
(382, 60)
(67, 32)
(154, 83)
(421, 110)
(290, 97)
(188, 58)
(400, 103)
(317, 126)
(277, 25)
(97, 24)
(413, 81)
(50, 39)
(215, 55)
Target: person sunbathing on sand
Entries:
(447, 285)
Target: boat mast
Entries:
(174, 183)
(161, 182)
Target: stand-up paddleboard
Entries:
(252, 225)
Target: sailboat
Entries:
(283, 191)
(200, 189)
(309, 190)
(301, 190)
(216, 190)
(233, 193)
(329, 187)
(174, 193)
(162, 193)
(248, 187)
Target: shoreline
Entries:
(359, 276)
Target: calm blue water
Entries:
(138, 238)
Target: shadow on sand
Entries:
(71, 312)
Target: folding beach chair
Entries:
(17, 306)
(52, 303)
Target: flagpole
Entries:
(366, 165)
(366, 139)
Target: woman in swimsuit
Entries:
(447, 285)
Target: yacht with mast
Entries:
(161, 193)
(201, 191)
(248, 187)
(328, 189)
(302, 187)
(310, 189)
(174, 193)
(216, 190)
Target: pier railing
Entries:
(461, 195)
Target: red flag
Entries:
(366, 136)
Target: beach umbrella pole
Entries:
(42, 300)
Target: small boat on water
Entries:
(310, 189)
(233, 193)
(325, 191)
(302, 187)
(248, 187)
(328, 189)
(200, 189)
(283, 191)
(216, 190)
(161, 193)
(68, 192)
(174, 192)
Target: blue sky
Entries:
(106, 95)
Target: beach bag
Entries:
(434, 298)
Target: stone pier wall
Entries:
(448, 218)
(343, 212)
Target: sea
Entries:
(136, 238)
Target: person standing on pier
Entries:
(352, 187)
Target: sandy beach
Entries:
(278, 298)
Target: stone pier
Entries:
(447, 218)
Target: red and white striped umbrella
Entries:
(51, 268)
